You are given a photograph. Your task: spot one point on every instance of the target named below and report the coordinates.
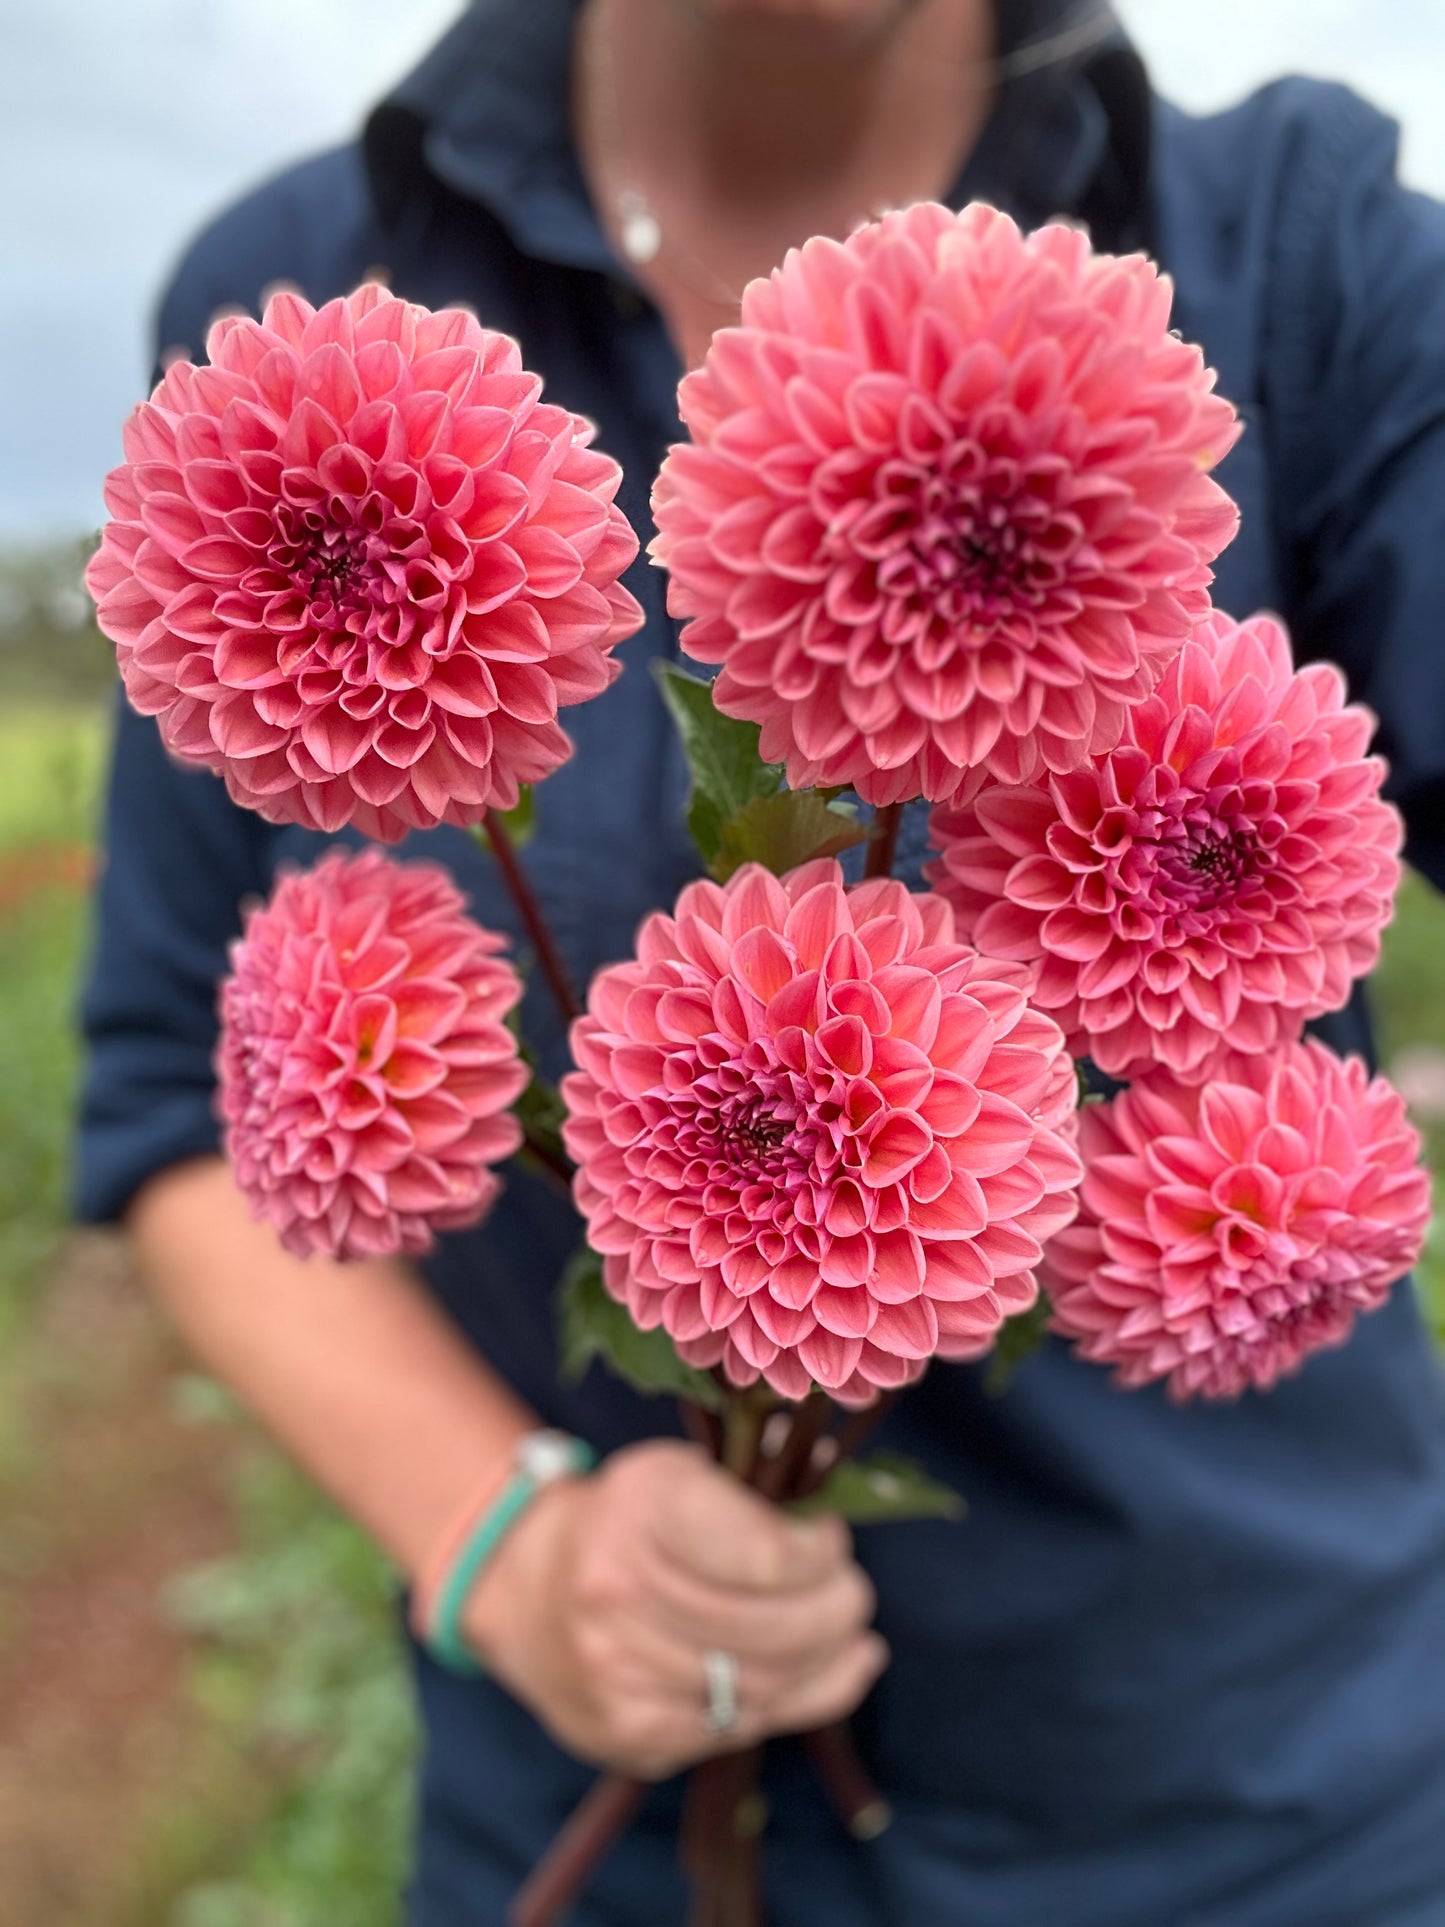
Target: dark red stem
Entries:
(883, 840)
(546, 1155)
(722, 1819)
(544, 945)
(835, 1760)
(778, 1476)
(704, 1428)
(603, 1815)
(856, 1431)
(723, 1810)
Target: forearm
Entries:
(353, 1368)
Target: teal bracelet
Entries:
(444, 1640)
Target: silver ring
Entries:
(720, 1670)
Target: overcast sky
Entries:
(124, 123)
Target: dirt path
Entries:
(104, 1496)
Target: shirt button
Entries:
(626, 301)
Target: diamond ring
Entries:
(720, 1671)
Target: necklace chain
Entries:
(639, 230)
(639, 227)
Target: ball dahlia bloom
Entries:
(946, 502)
(1216, 880)
(818, 1139)
(355, 565)
(1227, 1233)
(365, 1069)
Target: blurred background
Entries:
(203, 1721)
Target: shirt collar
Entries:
(487, 115)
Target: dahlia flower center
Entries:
(755, 1134)
(344, 564)
(1193, 861)
(969, 544)
(1217, 867)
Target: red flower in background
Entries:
(365, 1069)
(1227, 1233)
(946, 503)
(1216, 880)
(818, 1139)
(356, 565)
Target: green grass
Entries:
(301, 1671)
(51, 757)
(303, 1711)
(50, 761)
(1409, 1001)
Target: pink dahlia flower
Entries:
(365, 1068)
(946, 503)
(1227, 1233)
(1220, 877)
(356, 566)
(818, 1139)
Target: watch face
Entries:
(544, 1456)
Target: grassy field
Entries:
(253, 1774)
(272, 1714)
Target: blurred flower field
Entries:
(204, 1719)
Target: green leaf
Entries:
(540, 1111)
(883, 1486)
(520, 821)
(784, 830)
(1017, 1338)
(594, 1325)
(722, 756)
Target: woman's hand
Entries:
(602, 1600)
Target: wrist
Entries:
(528, 1571)
(443, 1612)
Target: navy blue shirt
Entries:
(1180, 1666)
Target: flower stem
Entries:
(744, 1416)
(778, 1475)
(536, 1148)
(883, 840)
(722, 1820)
(603, 1815)
(855, 1432)
(724, 1813)
(544, 944)
(860, 1805)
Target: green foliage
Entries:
(50, 649)
(51, 756)
(38, 1067)
(303, 1671)
(541, 1111)
(1408, 996)
(593, 1325)
(784, 830)
(50, 759)
(1017, 1339)
(882, 1487)
(520, 821)
(722, 756)
(739, 811)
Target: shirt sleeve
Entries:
(1359, 351)
(180, 860)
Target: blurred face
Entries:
(846, 22)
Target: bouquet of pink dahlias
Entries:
(945, 526)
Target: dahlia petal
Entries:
(742, 1107)
(339, 483)
(414, 1151)
(1231, 1278)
